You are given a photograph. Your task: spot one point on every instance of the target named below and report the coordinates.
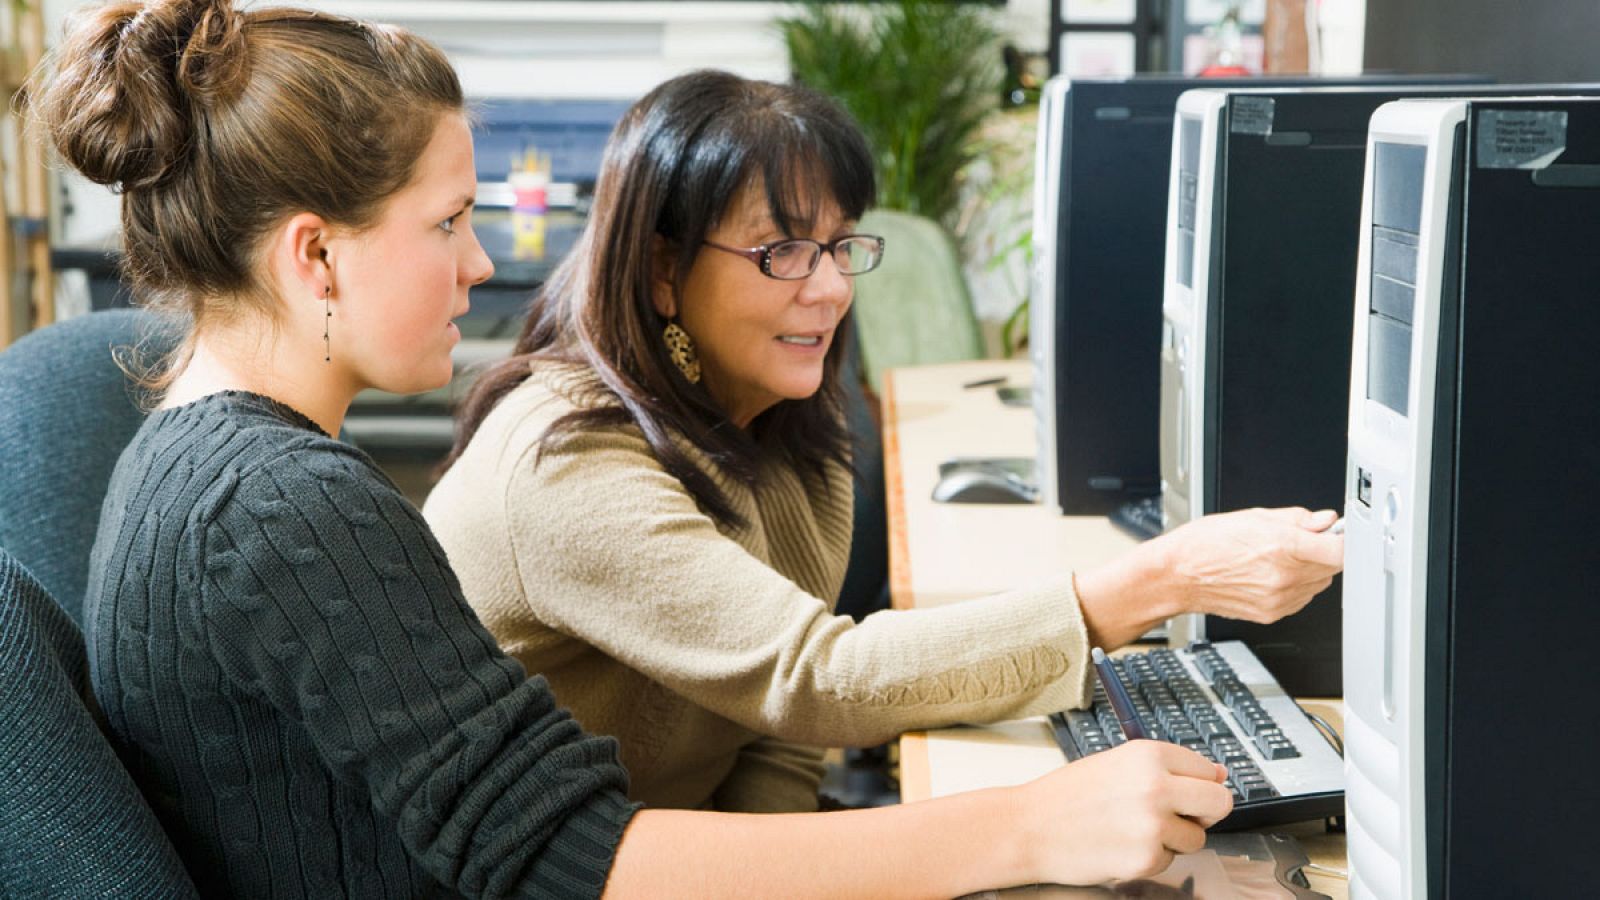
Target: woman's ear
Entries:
(663, 290)
(300, 255)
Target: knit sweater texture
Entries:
(711, 652)
(293, 678)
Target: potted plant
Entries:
(920, 76)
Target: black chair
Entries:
(866, 579)
(865, 778)
(67, 410)
(72, 823)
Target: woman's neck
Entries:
(224, 361)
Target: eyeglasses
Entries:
(797, 258)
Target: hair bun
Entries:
(130, 80)
(213, 67)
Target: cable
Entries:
(1328, 870)
(1327, 731)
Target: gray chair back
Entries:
(72, 823)
(67, 410)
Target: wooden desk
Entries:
(945, 553)
(965, 550)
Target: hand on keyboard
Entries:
(1123, 813)
(1258, 565)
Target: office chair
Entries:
(66, 413)
(915, 309)
(866, 579)
(72, 823)
(864, 779)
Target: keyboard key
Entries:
(1281, 751)
(1229, 750)
(1276, 747)
(1245, 768)
(1257, 790)
(1254, 722)
(1171, 716)
(1183, 731)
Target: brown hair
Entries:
(674, 165)
(216, 124)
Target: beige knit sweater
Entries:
(712, 653)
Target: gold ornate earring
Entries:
(681, 348)
(327, 318)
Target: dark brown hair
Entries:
(217, 124)
(673, 167)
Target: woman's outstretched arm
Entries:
(1116, 815)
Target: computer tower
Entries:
(1100, 194)
(1100, 201)
(1263, 214)
(1472, 485)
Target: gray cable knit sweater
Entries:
(285, 659)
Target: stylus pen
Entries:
(1127, 716)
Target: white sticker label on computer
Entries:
(1252, 115)
(1520, 138)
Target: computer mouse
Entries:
(973, 486)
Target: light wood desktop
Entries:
(945, 553)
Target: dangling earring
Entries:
(681, 348)
(327, 318)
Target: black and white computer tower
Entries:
(1100, 202)
(1193, 214)
(1472, 488)
(1263, 218)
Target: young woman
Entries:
(650, 502)
(282, 653)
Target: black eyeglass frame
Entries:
(762, 255)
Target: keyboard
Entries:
(1141, 518)
(1219, 700)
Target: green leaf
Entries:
(920, 76)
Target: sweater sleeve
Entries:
(325, 596)
(612, 549)
(772, 776)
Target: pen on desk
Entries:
(1121, 703)
(984, 382)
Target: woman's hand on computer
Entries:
(1125, 812)
(1258, 565)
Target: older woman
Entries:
(651, 503)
